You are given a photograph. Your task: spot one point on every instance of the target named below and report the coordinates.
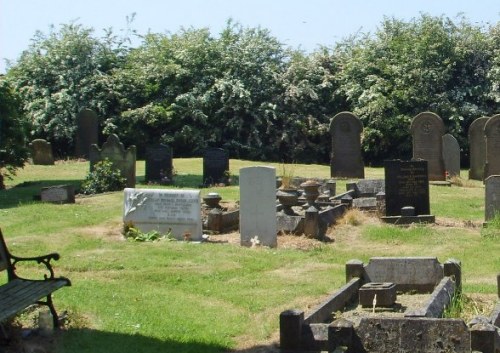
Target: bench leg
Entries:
(50, 304)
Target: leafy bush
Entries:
(105, 177)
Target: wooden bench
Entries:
(19, 293)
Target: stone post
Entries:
(214, 221)
(482, 337)
(453, 268)
(311, 222)
(354, 269)
(340, 333)
(291, 330)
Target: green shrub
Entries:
(105, 177)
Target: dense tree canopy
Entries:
(245, 91)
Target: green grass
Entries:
(184, 297)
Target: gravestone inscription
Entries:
(159, 164)
(87, 130)
(451, 155)
(492, 135)
(346, 160)
(41, 152)
(258, 206)
(121, 158)
(427, 130)
(406, 184)
(174, 212)
(215, 166)
(477, 148)
(492, 196)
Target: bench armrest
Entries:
(43, 259)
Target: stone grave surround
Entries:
(346, 160)
(158, 163)
(258, 206)
(427, 130)
(177, 212)
(41, 152)
(477, 148)
(492, 136)
(87, 131)
(114, 151)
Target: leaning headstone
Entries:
(215, 166)
(407, 186)
(451, 155)
(87, 130)
(427, 130)
(58, 194)
(477, 148)
(41, 152)
(346, 159)
(492, 197)
(173, 212)
(121, 158)
(492, 134)
(159, 164)
(258, 206)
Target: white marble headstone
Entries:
(174, 211)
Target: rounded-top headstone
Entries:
(492, 135)
(477, 148)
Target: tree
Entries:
(13, 147)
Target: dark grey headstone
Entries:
(215, 166)
(41, 152)
(451, 155)
(122, 159)
(427, 130)
(346, 159)
(159, 164)
(492, 133)
(492, 196)
(477, 148)
(406, 184)
(87, 130)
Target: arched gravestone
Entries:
(113, 150)
(477, 148)
(41, 152)
(346, 160)
(451, 155)
(492, 135)
(87, 130)
(427, 130)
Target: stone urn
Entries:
(288, 198)
(311, 193)
(212, 200)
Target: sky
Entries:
(303, 24)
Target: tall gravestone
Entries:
(174, 212)
(427, 130)
(451, 155)
(492, 136)
(477, 148)
(258, 206)
(121, 158)
(492, 196)
(215, 166)
(406, 184)
(41, 152)
(159, 164)
(87, 130)
(346, 159)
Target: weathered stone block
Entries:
(385, 292)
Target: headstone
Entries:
(492, 196)
(121, 158)
(159, 164)
(215, 166)
(492, 134)
(58, 194)
(41, 152)
(177, 212)
(87, 130)
(406, 184)
(258, 206)
(477, 148)
(427, 130)
(451, 155)
(346, 159)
